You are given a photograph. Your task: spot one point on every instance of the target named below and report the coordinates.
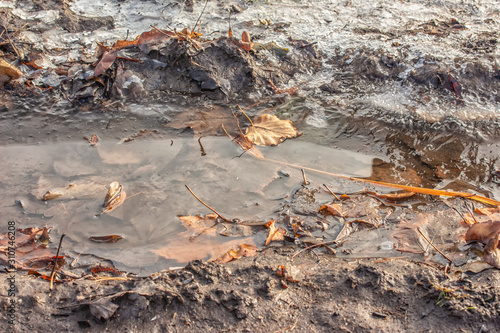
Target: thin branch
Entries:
(55, 263)
(304, 177)
(250, 120)
(199, 17)
(334, 195)
(313, 246)
(10, 41)
(204, 204)
(160, 31)
(435, 248)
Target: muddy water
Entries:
(153, 174)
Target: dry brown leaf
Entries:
(332, 209)
(75, 191)
(106, 239)
(269, 130)
(487, 233)
(92, 140)
(244, 250)
(200, 241)
(29, 252)
(114, 198)
(203, 122)
(8, 72)
(107, 59)
(247, 145)
(274, 234)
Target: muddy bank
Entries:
(413, 85)
(247, 295)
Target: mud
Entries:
(247, 296)
(432, 116)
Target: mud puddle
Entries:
(154, 175)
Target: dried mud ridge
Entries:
(176, 64)
(248, 296)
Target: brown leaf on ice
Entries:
(114, 198)
(201, 240)
(154, 36)
(106, 239)
(269, 130)
(29, 252)
(332, 209)
(487, 233)
(408, 239)
(202, 121)
(75, 191)
(92, 140)
(243, 250)
(248, 146)
(274, 234)
(107, 59)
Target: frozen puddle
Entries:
(154, 175)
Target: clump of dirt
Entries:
(324, 294)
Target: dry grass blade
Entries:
(420, 190)
(204, 204)
(435, 248)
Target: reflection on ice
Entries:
(153, 174)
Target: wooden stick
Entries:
(336, 197)
(10, 41)
(304, 177)
(435, 248)
(313, 246)
(55, 263)
(204, 204)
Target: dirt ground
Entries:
(248, 296)
(318, 293)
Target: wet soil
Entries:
(391, 295)
(324, 293)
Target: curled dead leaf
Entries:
(8, 72)
(107, 59)
(53, 194)
(243, 250)
(92, 140)
(274, 234)
(114, 198)
(106, 239)
(483, 232)
(269, 130)
(332, 209)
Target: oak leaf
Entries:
(269, 130)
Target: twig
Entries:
(160, 31)
(335, 196)
(10, 41)
(304, 177)
(55, 263)
(435, 248)
(204, 204)
(203, 153)
(75, 260)
(250, 120)
(313, 246)
(199, 17)
(470, 211)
